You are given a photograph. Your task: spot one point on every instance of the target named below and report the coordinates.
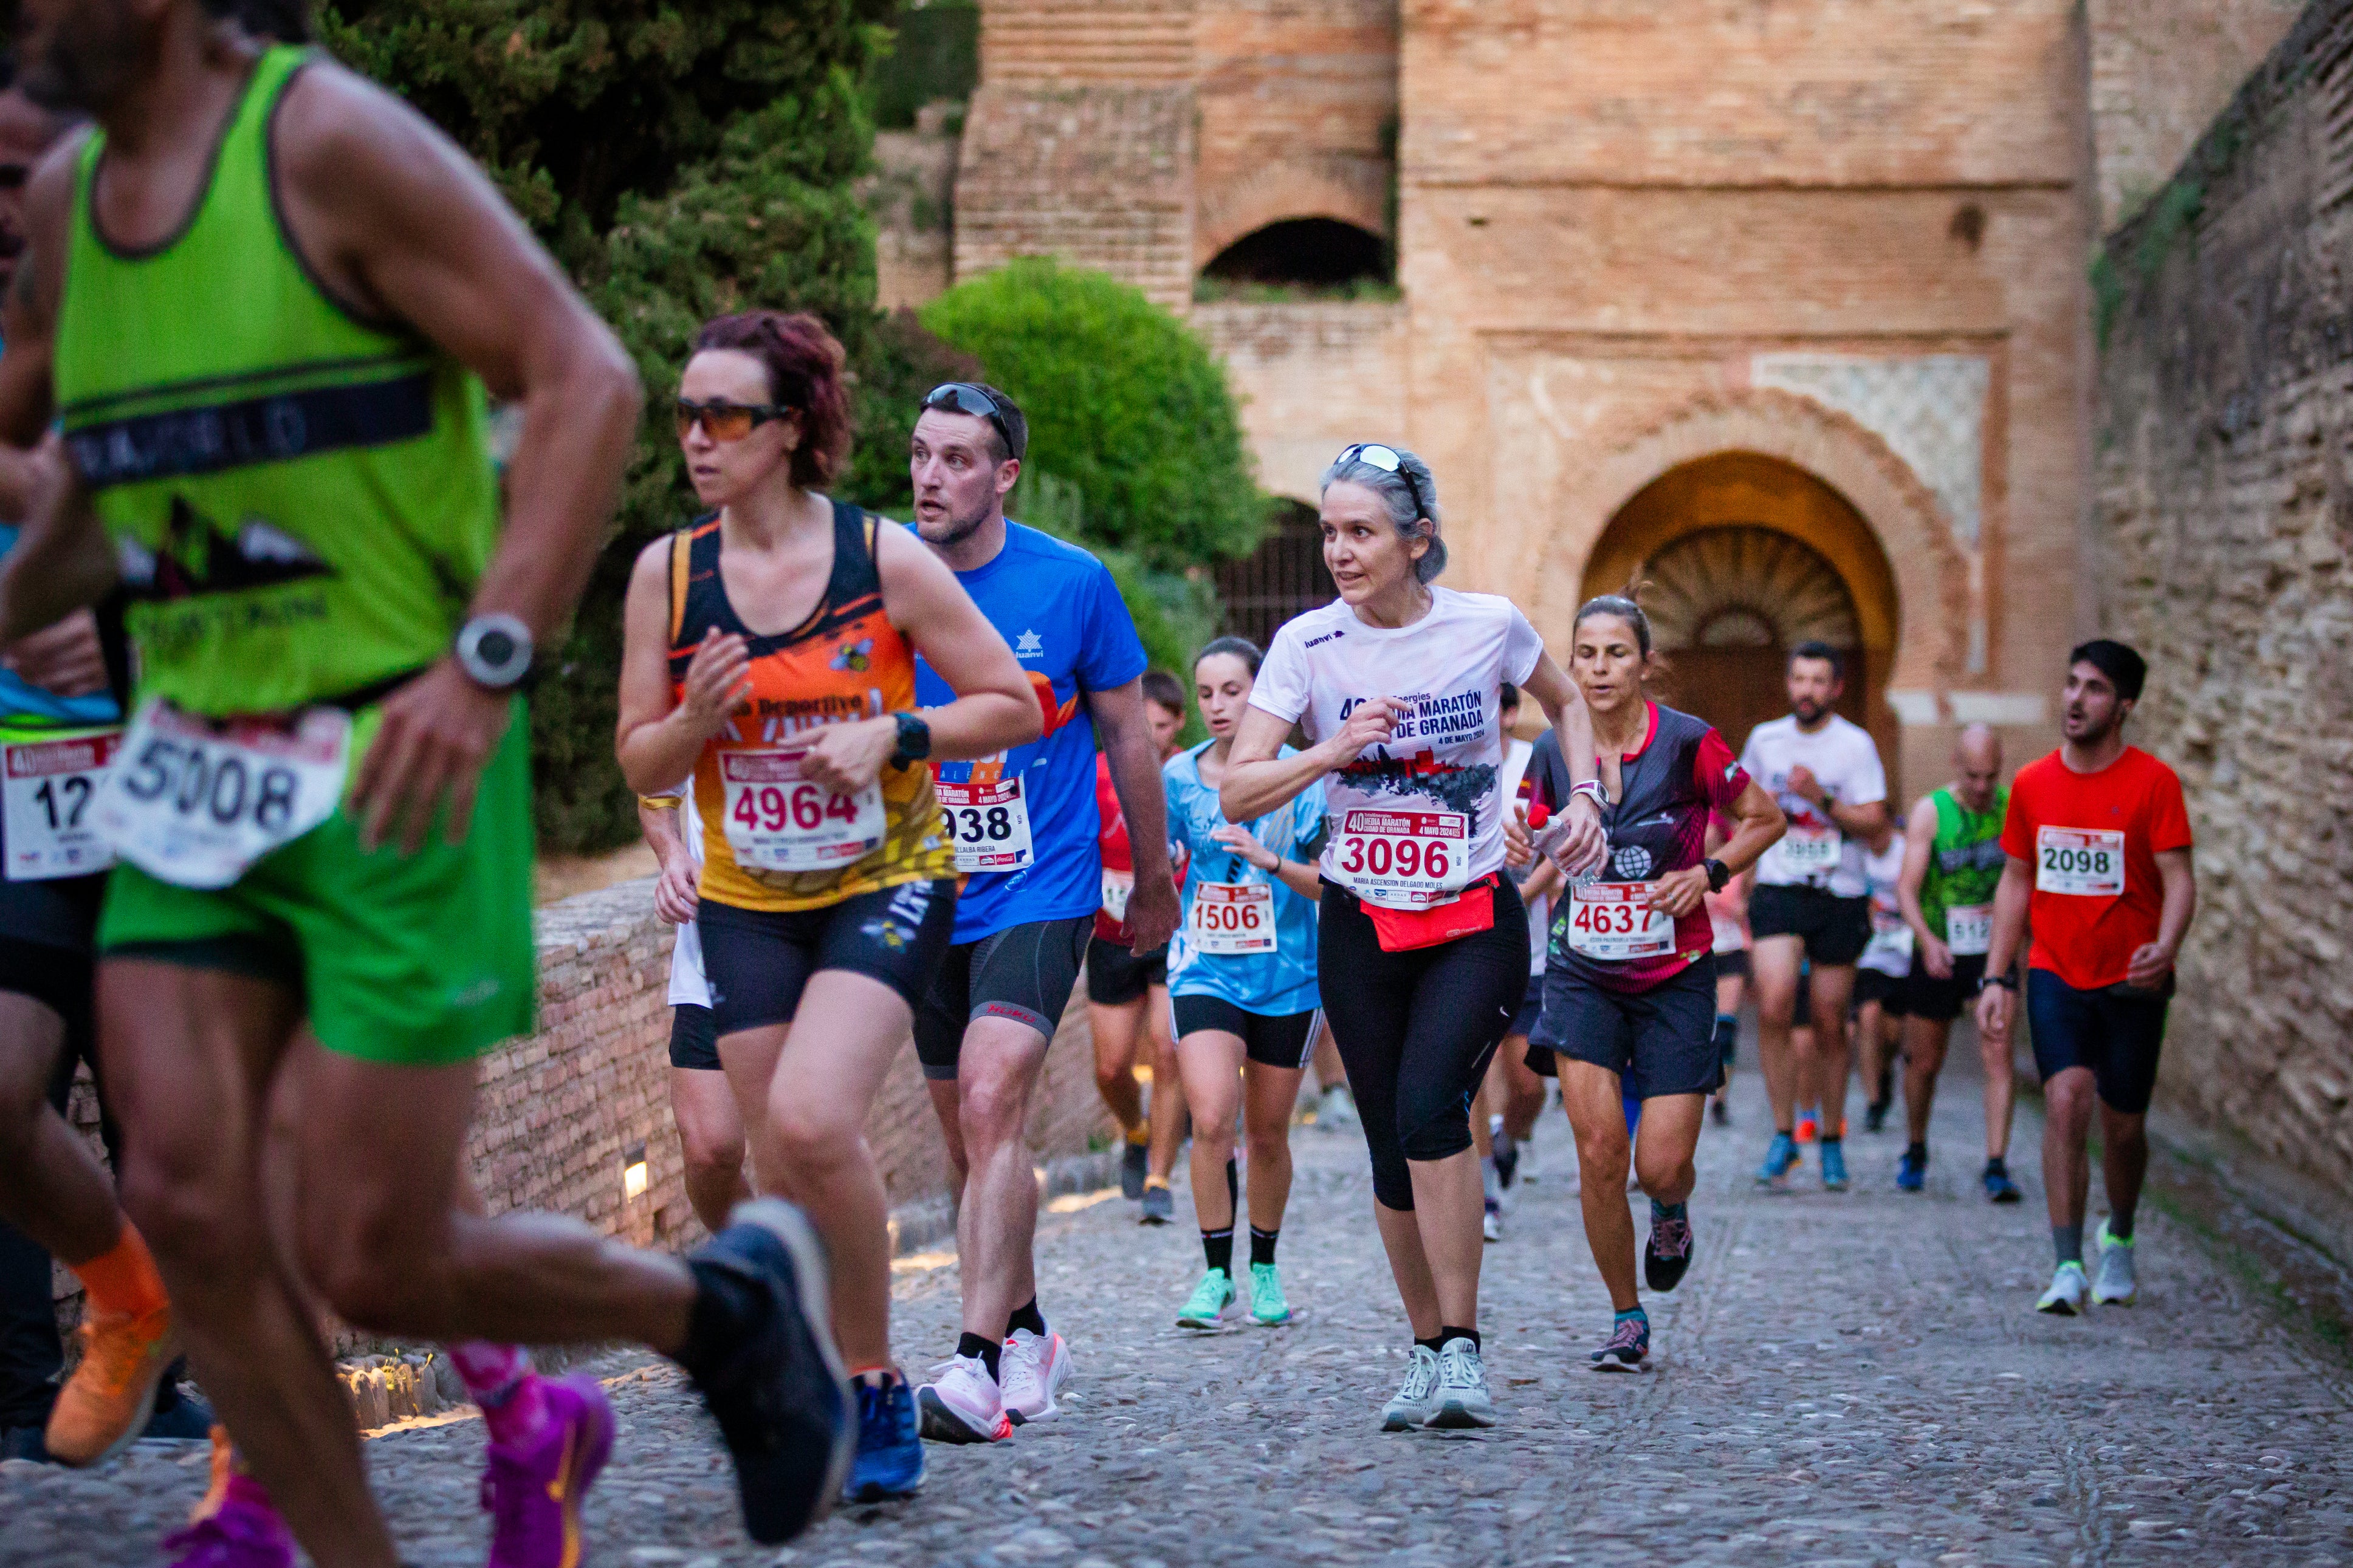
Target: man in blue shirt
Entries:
(1025, 828)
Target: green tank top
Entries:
(1965, 864)
(303, 501)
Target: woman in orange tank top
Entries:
(769, 655)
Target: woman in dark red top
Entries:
(1630, 977)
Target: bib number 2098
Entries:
(2080, 863)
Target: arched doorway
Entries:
(1305, 256)
(1746, 556)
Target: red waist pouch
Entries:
(1467, 913)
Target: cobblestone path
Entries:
(1856, 1378)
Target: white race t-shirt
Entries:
(1845, 763)
(1414, 821)
(1516, 753)
(687, 985)
(1890, 952)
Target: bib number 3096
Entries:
(195, 801)
(987, 823)
(46, 788)
(2080, 863)
(1402, 859)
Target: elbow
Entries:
(1025, 721)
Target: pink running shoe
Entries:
(534, 1497)
(241, 1531)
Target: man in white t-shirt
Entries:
(710, 1124)
(1812, 899)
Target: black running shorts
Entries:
(1117, 975)
(758, 962)
(1278, 1040)
(1891, 992)
(1835, 929)
(1661, 1041)
(1942, 1001)
(693, 1037)
(1531, 1012)
(2116, 1033)
(1024, 973)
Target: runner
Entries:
(1812, 902)
(2098, 848)
(1511, 1096)
(1879, 989)
(1127, 993)
(1421, 946)
(1953, 862)
(1244, 982)
(1728, 916)
(1629, 987)
(1024, 825)
(1335, 1109)
(368, 602)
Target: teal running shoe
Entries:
(1210, 1299)
(1833, 1165)
(1268, 1307)
(1780, 1160)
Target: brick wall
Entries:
(2160, 70)
(2223, 513)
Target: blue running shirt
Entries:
(1060, 611)
(1270, 985)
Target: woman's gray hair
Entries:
(1409, 494)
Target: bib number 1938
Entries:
(988, 824)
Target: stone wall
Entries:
(2223, 512)
(2160, 70)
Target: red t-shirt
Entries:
(1117, 856)
(2093, 840)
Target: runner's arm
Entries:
(1152, 907)
(1867, 821)
(675, 889)
(1760, 827)
(996, 708)
(2011, 900)
(61, 562)
(1299, 877)
(2150, 965)
(657, 739)
(1542, 883)
(1919, 843)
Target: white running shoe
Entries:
(1463, 1396)
(1417, 1397)
(1491, 1224)
(2068, 1289)
(963, 1405)
(2116, 1284)
(1033, 1372)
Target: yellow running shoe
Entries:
(105, 1404)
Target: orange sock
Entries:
(124, 1279)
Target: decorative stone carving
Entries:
(1929, 409)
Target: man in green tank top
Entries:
(1953, 861)
(270, 296)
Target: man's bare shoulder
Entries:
(337, 133)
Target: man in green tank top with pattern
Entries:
(1952, 862)
(284, 295)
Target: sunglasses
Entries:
(725, 421)
(1386, 459)
(963, 397)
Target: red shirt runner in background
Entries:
(2091, 841)
(1118, 860)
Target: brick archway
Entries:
(1286, 191)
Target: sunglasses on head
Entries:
(1386, 459)
(963, 397)
(725, 421)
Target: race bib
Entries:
(1402, 859)
(195, 801)
(1805, 852)
(1117, 887)
(46, 787)
(2080, 863)
(1969, 930)
(1613, 921)
(987, 823)
(779, 821)
(1231, 918)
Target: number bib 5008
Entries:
(46, 785)
(1231, 918)
(779, 821)
(1969, 930)
(1807, 852)
(1402, 859)
(1613, 921)
(987, 823)
(195, 801)
(2080, 863)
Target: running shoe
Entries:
(1159, 1205)
(1629, 1346)
(534, 1495)
(1780, 1159)
(1336, 1110)
(1912, 1170)
(103, 1405)
(1833, 1165)
(241, 1531)
(1491, 1224)
(1463, 1397)
(890, 1462)
(1030, 1371)
(963, 1404)
(1717, 1113)
(1205, 1306)
(1999, 1187)
(1417, 1397)
(1874, 1117)
(778, 1390)
(1507, 1160)
(2116, 1284)
(2068, 1289)
(1134, 1162)
(1667, 1256)
(1809, 1124)
(1268, 1308)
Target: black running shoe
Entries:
(769, 1370)
(1668, 1253)
(1134, 1164)
(1628, 1347)
(1718, 1113)
(1874, 1117)
(1507, 1162)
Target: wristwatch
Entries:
(915, 740)
(1595, 788)
(495, 651)
(2007, 982)
(1718, 874)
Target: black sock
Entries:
(1830, 1142)
(1917, 1150)
(1218, 1246)
(1454, 1333)
(1262, 1245)
(1027, 1316)
(988, 1350)
(1996, 1166)
(2120, 1220)
(1433, 1342)
(1233, 1184)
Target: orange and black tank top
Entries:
(771, 839)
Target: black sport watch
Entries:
(915, 740)
(1718, 874)
(2007, 982)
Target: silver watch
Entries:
(495, 651)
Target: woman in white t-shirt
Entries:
(1422, 943)
(710, 1126)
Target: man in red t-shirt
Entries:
(2098, 846)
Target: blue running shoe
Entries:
(1912, 1170)
(890, 1462)
(1779, 1160)
(1833, 1165)
(1999, 1187)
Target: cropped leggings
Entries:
(1416, 1029)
